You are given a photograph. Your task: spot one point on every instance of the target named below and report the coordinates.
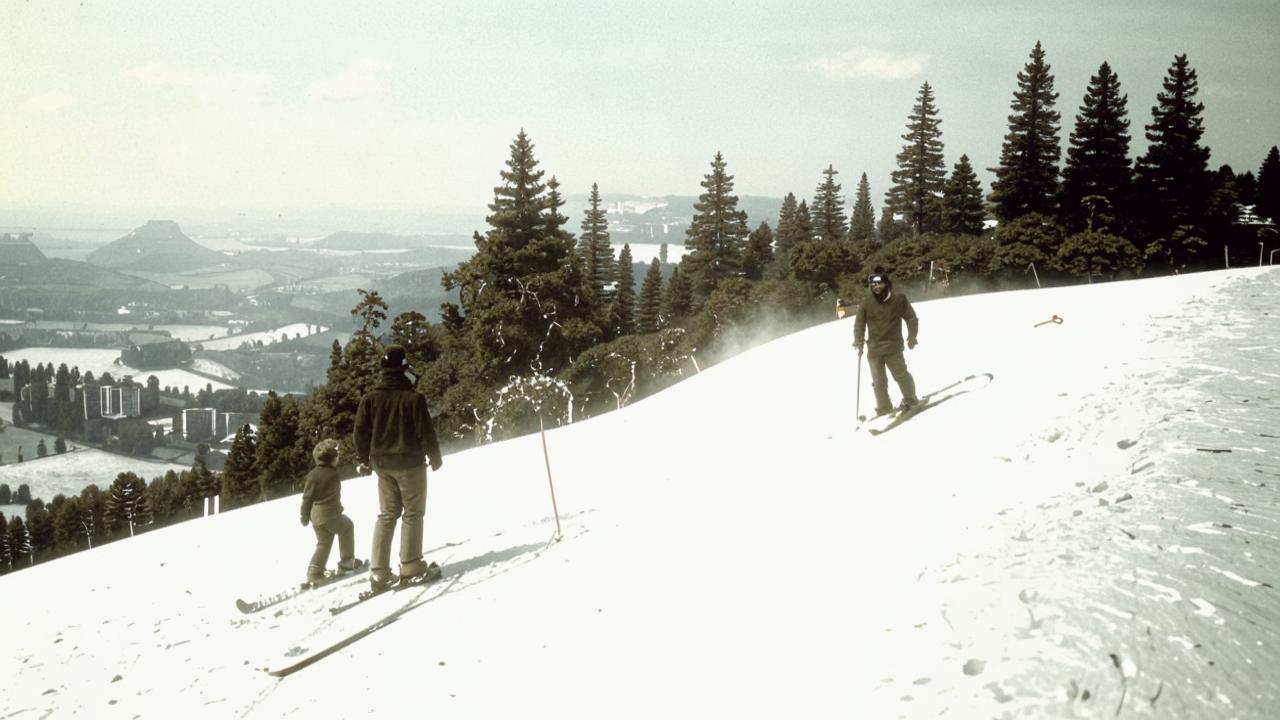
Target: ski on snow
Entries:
(321, 653)
(249, 607)
(967, 384)
(432, 574)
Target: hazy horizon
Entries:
(403, 114)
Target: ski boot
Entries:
(430, 573)
(381, 581)
(315, 576)
(350, 565)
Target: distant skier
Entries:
(393, 433)
(322, 508)
(879, 323)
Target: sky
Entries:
(1090, 534)
(118, 112)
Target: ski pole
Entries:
(857, 394)
(547, 458)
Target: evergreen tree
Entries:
(804, 224)
(593, 246)
(1097, 175)
(788, 235)
(862, 225)
(93, 502)
(716, 235)
(59, 445)
(280, 457)
(239, 477)
(828, 208)
(1267, 202)
(521, 293)
(962, 210)
(622, 310)
(889, 228)
(40, 526)
(6, 550)
(41, 448)
(649, 306)
(1247, 185)
(412, 331)
(677, 301)
(916, 192)
(20, 543)
(1174, 178)
(758, 254)
(126, 501)
(1027, 177)
(67, 529)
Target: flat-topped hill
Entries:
(158, 246)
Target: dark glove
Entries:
(858, 347)
(305, 520)
(436, 463)
(911, 344)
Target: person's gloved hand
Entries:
(911, 344)
(305, 520)
(363, 469)
(436, 463)
(858, 347)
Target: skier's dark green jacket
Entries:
(879, 323)
(393, 426)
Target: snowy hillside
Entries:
(1094, 532)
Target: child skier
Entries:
(322, 508)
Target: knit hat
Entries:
(393, 358)
(879, 277)
(325, 452)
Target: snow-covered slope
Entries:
(737, 547)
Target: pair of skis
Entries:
(249, 607)
(314, 656)
(885, 423)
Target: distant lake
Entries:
(100, 360)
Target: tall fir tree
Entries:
(962, 209)
(787, 236)
(281, 455)
(593, 247)
(1267, 200)
(1027, 177)
(521, 293)
(758, 254)
(862, 225)
(828, 208)
(239, 476)
(622, 309)
(1097, 177)
(649, 305)
(677, 300)
(717, 233)
(916, 192)
(1174, 179)
(803, 224)
(6, 550)
(126, 502)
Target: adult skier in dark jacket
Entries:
(878, 325)
(393, 434)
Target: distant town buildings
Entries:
(111, 402)
(207, 425)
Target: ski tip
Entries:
(243, 606)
